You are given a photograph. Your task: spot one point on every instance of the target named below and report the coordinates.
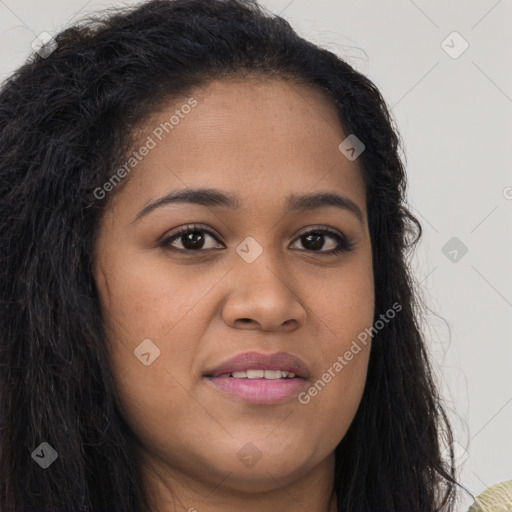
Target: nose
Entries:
(264, 295)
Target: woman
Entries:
(206, 304)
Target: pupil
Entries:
(191, 241)
(318, 237)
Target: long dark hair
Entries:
(67, 120)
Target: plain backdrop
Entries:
(444, 69)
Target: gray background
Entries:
(455, 118)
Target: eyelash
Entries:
(344, 244)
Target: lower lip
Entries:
(259, 391)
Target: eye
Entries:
(315, 238)
(192, 239)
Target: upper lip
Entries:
(261, 361)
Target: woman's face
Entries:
(254, 277)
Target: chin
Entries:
(265, 476)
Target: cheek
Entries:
(144, 302)
(331, 401)
(345, 310)
(142, 298)
(346, 304)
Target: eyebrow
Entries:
(210, 197)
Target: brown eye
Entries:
(314, 240)
(191, 238)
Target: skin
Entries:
(260, 139)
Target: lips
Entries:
(260, 361)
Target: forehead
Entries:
(253, 137)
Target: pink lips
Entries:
(260, 361)
(260, 390)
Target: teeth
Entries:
(274, 374)
(260, 374)
(239, 375)
(255, 374)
